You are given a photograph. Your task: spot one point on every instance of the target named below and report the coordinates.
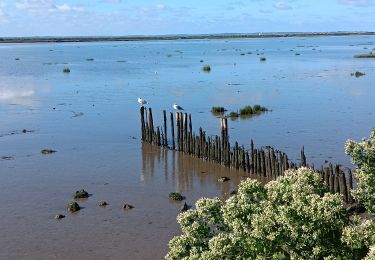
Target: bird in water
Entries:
(177, 107)
(142, 101)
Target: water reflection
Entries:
(19, 96)
(189, 174)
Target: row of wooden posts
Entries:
(265, 161)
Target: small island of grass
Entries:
(366, 55)
(233, 114)
(262, 58)
(218, 110)
(206, 68)
(357, 74)
(248, 110)
(66, 70)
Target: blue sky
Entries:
(131, 17)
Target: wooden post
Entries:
(143, 127)
(343, 187)
(178, 131)
(350, 188)
(303, 157)
(172, 132)
(151, 125)
(165, 139)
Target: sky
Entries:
(161, 17)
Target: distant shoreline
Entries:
(172, 37)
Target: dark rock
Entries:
(8, 158)
(103, 203)
(59, 216)
(356, 208)
(223, 179)
(184, 208)
(128, 206)
(48, 151)
(81, 194)
(175, 196)
(73, 207)
(24, 131)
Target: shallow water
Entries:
(90, 116)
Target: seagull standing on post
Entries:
(142, 102)
(177, 107)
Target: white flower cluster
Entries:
(293, 217)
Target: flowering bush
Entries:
(293, 217)
(363, 155)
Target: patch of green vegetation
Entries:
(357, 74)
(262, 58)
(169, 55)
(259, 108)
(233, 114)
(297, 54)
(89, 59)
(206, 68)
(81, 194)
(175, 196)
(66, 70)
(366, 55)
(121, 61)
(218, 110)
(248, 110)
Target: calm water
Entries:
(91, 118)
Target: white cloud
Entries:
(35, 6)
(148, 10)
(282, 5)
(361, 3)
(111, 1)
(67, 8)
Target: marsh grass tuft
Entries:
(357, 74)
(262, 58)
(233, 114)
(367, 55)
(66, 70)
(217, 110)
(90, 59)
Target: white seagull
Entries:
(142, 101)
(177, 107)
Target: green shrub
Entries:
(294, 217)
(66, 70)
(262, 58)
(363, 155)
